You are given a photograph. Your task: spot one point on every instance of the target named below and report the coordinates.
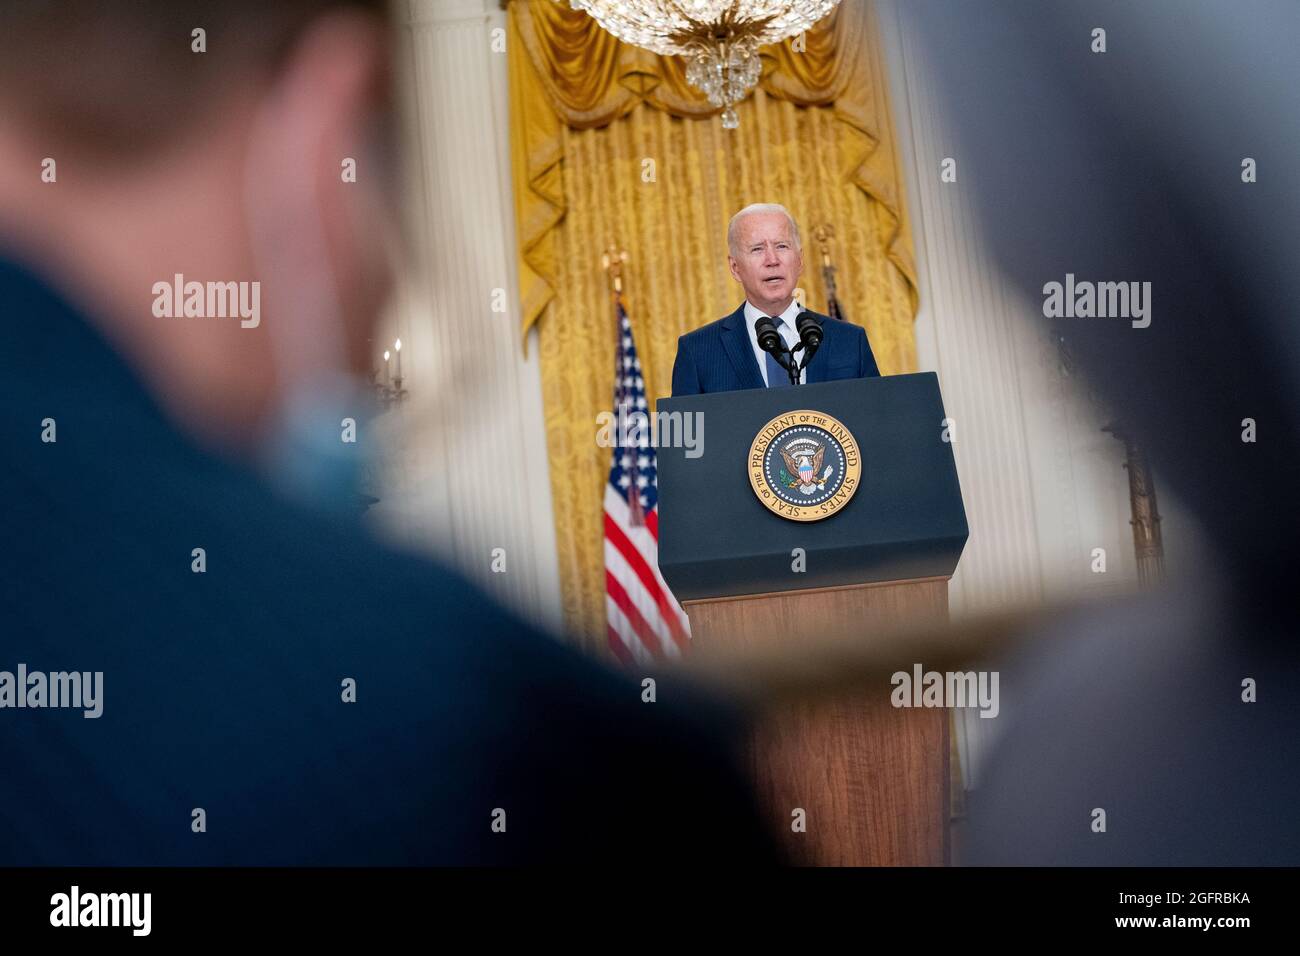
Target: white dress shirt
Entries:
(784, 325)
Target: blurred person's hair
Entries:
(118, 78)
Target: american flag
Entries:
(644, 619)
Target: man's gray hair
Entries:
(733, 228)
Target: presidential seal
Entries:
(804, 465)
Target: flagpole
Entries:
(612, 262)
(823, 234)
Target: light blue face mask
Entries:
(306, 453)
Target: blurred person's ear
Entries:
(320, 195)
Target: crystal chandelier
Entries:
(719, 39)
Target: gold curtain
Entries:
(608, 143)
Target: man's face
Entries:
(766, 262)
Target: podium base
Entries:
(870, 779)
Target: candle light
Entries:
(398, 346)
(388, 367)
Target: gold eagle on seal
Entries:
(806, 470)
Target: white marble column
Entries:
(465, 467)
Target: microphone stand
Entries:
(787, 361)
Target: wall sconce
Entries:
(390, 391)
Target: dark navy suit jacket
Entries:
(720, 358)
(223, 690)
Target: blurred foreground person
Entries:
(255, 681)
(1160, 153)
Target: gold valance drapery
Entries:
(575, 74)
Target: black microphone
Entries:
(809, 328)
(769, 339)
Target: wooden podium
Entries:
(850, 780)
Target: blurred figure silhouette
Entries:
(1120, 166)
(137, 426)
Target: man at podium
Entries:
(766, 259)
